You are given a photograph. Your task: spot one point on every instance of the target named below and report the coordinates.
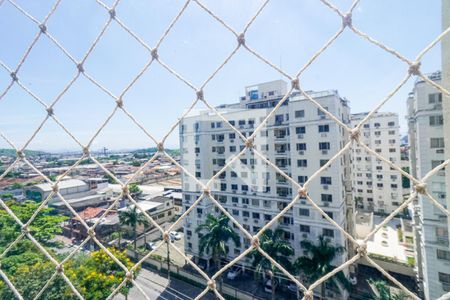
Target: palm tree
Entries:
(383, 292)
(275, 245)
(318, 261)
(217, 234)
(131, 217)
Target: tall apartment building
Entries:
(426, 137)
(299, 140)
(376, 186)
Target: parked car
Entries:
(175, 235)
(234, 272)
(268, 285)
(150, 245)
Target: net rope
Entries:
(154, 57)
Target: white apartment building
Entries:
(299, 139)
(376, 186)
(426, 137)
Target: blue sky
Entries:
(288, 33)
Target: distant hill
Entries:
(11, 152)
(152, 150)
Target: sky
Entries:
(287, 33)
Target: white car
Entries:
(268, 286)
(234, 272)
(175, 235)
(150, 245)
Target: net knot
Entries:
(206, 191)
(125, 189)
(112, 13)
(308, 295)
(255, 242)
(80, 67)
(166, 236)
(129, 275)
(347, 20)
(212, 284)
(43, 28)
(50, 111)
(362, 248)
(13, 76)
(91, 232)
(354, 134)
(25, 229)
(154, 53)
(119, 103)
(421, 187)
(302, 192)
(160, 147)
(59, 268)
(55, 188)
(200, 95)
(249, 143)
(86, 150)
(414, 68)
(20, 154)
(295, 84)
(241, 39)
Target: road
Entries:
(158, 288)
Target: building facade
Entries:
(376, 186)
(426, 137)
(299, 139)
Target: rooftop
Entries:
(65, 184)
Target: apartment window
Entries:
(329, 213)
(390, 124)
(391, 150)
(245, 201)
(255, 202)
(377, 142)
(325, 180)
(324, 128)
(300, 113)
(443, 254)
(326, 197)
(328, 232)
(232, 148)
(233, 174)
(267, 217)
(244, 187)
(232, 122)
(323, 162)
(391, 132)
(444, 277)
(301, 146)
(305, 228)
(245, 214)
(437, 120)
(435, 98)
(300, 130)
(435, 163)
(302, 163)
(199, 211)
(437, 142)
(235, 199)
(197, 150)
(303, 212)
(264, 133)
(377, 125)
(394, 185)
(302, 179)
(255, 215)
(324, 146)
(320, 112)
(234, 187)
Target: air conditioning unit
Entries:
(245, 219)
(305, 235)
(326, 204)
(303, 202)
(323, 116)
(188, 237)
(234, 204)
(324, 152)
(231, 141)
(244, 206)
(300, 136)
(244, 193)
(301, 152)
(323, 135)
(325, 186)
(234, 191)
(256, 221)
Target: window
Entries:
(323, 162)
(324, 146)
(329, 213)
(328, 232)
(301, 146)
(232, 122)
(302, 179)
(302, 163)
(234, 199)
(444, 277)
(391, 124)
(443, 254)
(232, 136)
(324, 128)
(300, 130)
(245, 214)
(435, 163)
(391, 132)
(300, 113)
(325, 180)
(255, 215)
(232, 148)
(437, 142)
(320, 112)
(435, 98)
(326, 197)
(437, 120)
(255, 202)
(235, 212)
(303, 212)
(245, 201)
(304, 228)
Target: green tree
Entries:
(318, 261)
(132, 218)
(383, 292)
(134, 189)
(278, 248)
(216, 232)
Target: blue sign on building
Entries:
(253, 95)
